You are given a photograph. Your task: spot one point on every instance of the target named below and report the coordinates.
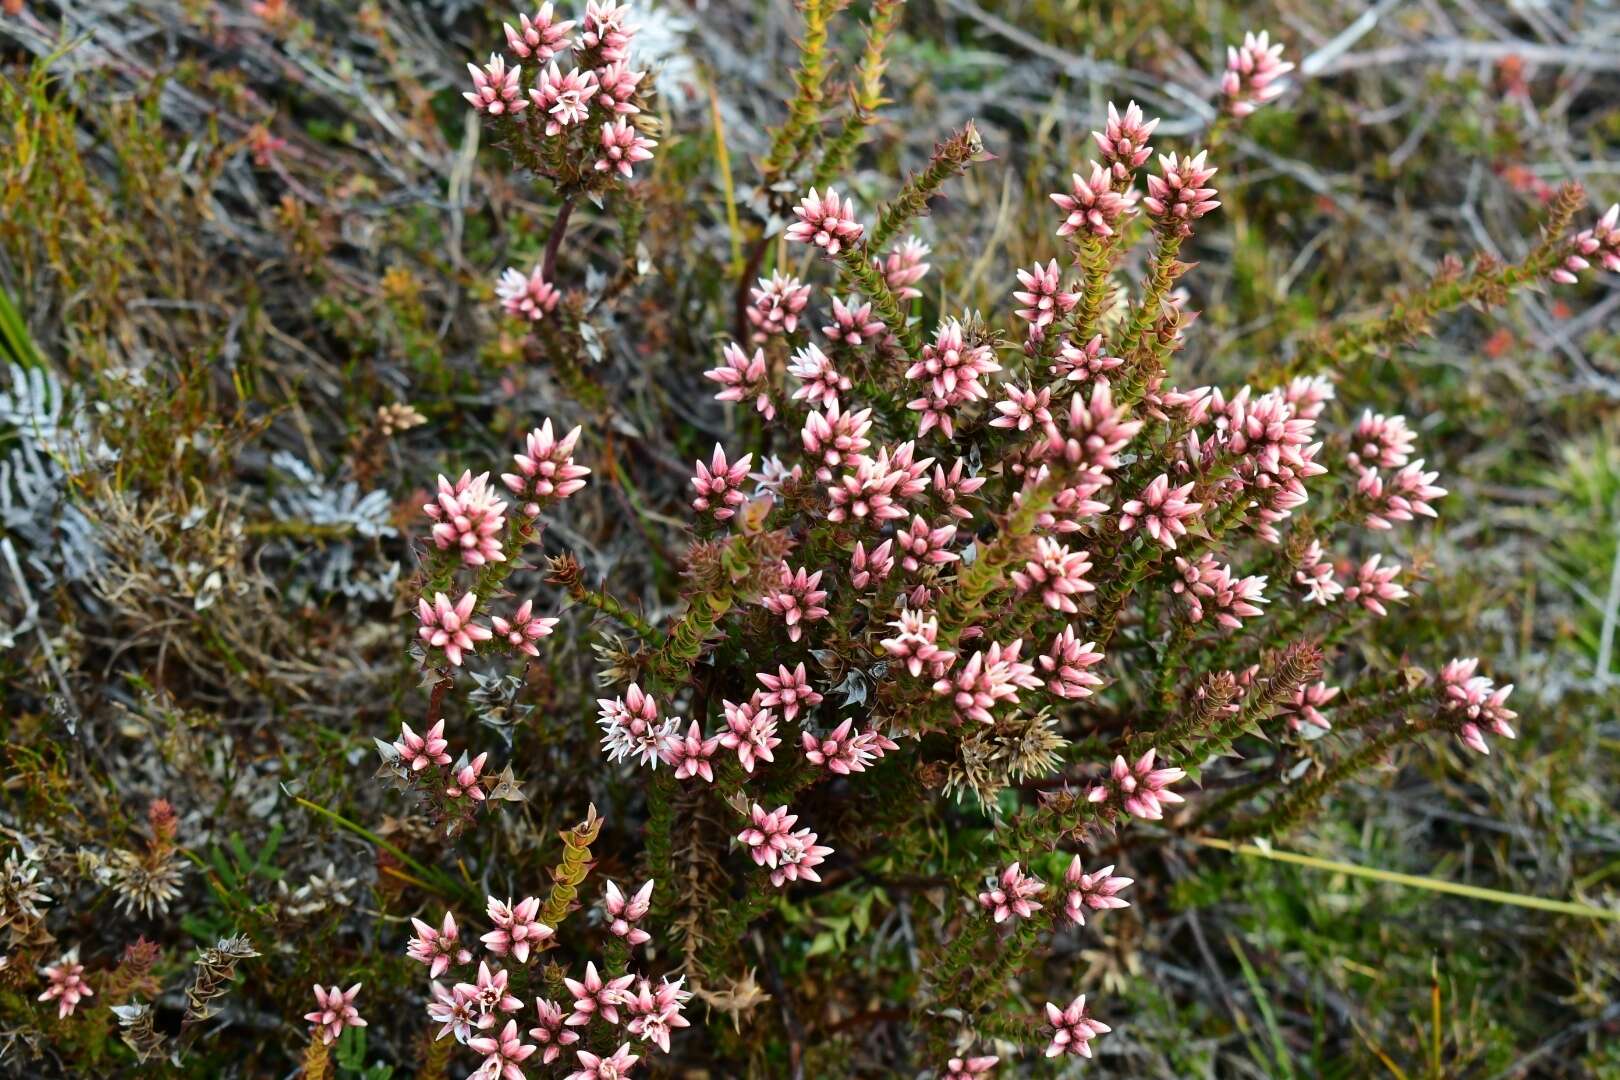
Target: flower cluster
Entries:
(587, 128)
(480, 1007)
(1254, 72)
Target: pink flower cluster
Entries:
(1137, 787)
(951, 370)
(1073, 1028)
(989, 677)
(602, 83)
(1012, 895)
(1232, 599)
(334, 1011)
(414, 753)
(1600, 243)
(468, 517)
(471, 1009)
(65, 984)
(827, 221)
(1097, 891)
(632, 728)
(790, 854)
(1474, 705)
(1254, 74)
(470, 521)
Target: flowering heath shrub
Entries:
(971, 558)
(978, 608)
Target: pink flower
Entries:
(1012, 896)
(835, 437)
(766, 836)
(1124, 143)
(468, 517)
(615, 1066)
(1177, 195)
(1304, 709)
(517, 929)
(546, 469)
(594, 997)
(988, 677)
(420, 751)
(1600, 242)
(1254, 72)
(1042, 294)
(825, 221)
(618, 87)
(838, 752)
(1076, 362)
(458, 1011)
(776, 304)
(1160, 509)
(524, 629)
(1071, 504)
(797, 859)
(853, 324)
(865, 570)
(1024, 409)
(495, 89)
(903, 267)
(1065, 664)
(504, 1055)
(450, 627)
(743, 377)
(632, 727)
(868, 493)
(655, 1014)
(64, 984)
(1073, 1029)
(606, 27)
(821, 381)
(967, 1068)
(788, 690)
(1098, 431)
(1475, 704)
(1381, 442)
(951, 488)
(1096, 891)
(914, 644)
(1057, 573)
(1232, 599)
(719, 486)
(797, 599)
(565, 99)
(489, 991)
(1375, 584)
(622, 148)
(1141, 789)
(334, 1011)
(951, 367)
(542, 37)
(925, 545)
(750, 731)
(437, 948)
(1092, 206)
(551, 1034)
(1315, 572)
(1409, 492)
(623, 914)
(465, 783)
(689, 754)
(526, 297)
